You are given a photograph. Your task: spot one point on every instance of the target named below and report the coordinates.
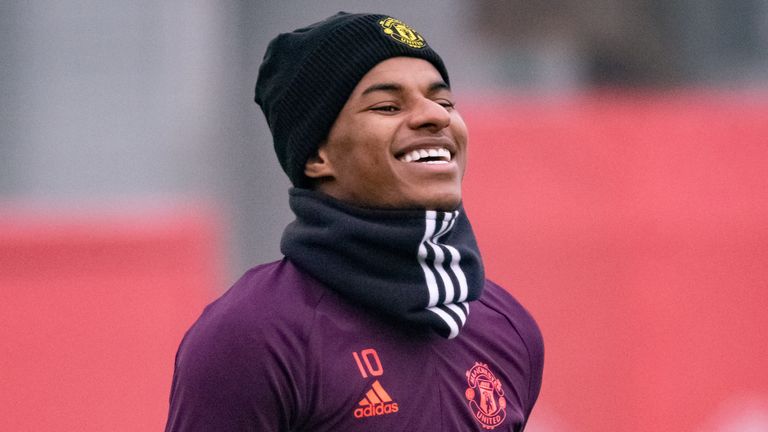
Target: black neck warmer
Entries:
(421, 267)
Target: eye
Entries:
(447, 104)
(386, 108)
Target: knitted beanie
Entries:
(307, 76)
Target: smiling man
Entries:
(379, 318)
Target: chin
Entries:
(445, 202)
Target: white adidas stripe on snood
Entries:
(430, 241)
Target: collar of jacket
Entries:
(418, 266)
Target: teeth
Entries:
(416, 155)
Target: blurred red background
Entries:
(92, 308)
(633, 226)
(635, 229)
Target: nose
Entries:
(428, 114)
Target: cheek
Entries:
(369, 148)
(361, 147)
(459, 130)
(356, 156)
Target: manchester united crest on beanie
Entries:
(307, 76)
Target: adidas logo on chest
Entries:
(376, 401)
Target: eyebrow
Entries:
(397, 88)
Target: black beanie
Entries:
(307, 76)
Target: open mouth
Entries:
(436, 155)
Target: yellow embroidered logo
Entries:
(376, 401)
(485, 396)
(402, 32)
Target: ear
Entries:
(318, 165)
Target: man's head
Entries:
(354, 102)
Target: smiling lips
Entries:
(436, 155)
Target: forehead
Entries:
(403, 71)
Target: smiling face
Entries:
(397, 143)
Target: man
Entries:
(379, 317)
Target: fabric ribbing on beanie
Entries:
(419, 267)
(308, 75)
